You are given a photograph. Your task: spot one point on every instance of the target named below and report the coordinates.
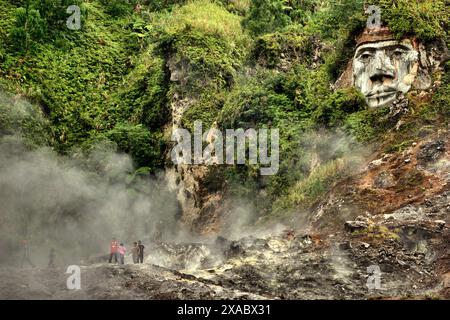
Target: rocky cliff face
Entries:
(200, 209)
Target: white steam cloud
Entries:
(75, 204)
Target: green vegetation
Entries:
(309, 189)
(207, 45)
(427, 19)
(375, 233)
(20, 118)
(93, 82)
(266, 16)
(39, 20)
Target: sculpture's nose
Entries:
(382, 68)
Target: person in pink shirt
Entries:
(122, 251)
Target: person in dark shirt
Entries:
(140, 252)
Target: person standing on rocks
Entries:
(113, 250)
(135, 252)
(122, 250)
(51, 258)
(141, 248)
(26, 254)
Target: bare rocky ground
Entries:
(393, 215)
(278, 267)
(287, 266)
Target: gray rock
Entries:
(365, 245)
(431, 151)
(345, 245)
(384, 180)
(355, 225)
(440, 223)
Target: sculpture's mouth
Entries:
(381, 97)
(382, 93)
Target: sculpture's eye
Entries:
(365, 56)
(397, 54)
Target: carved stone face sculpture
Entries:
(384, 69)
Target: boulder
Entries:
(352, 226)
(431, 151)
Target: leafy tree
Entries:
(267, 16)
(29, 26)
(300, 11)
(341, 17)
(36, 19)
(428, 19)
(145, 147)
(119, 8)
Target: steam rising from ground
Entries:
(54, 202)
(321, 157)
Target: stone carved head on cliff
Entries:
(383, 67)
